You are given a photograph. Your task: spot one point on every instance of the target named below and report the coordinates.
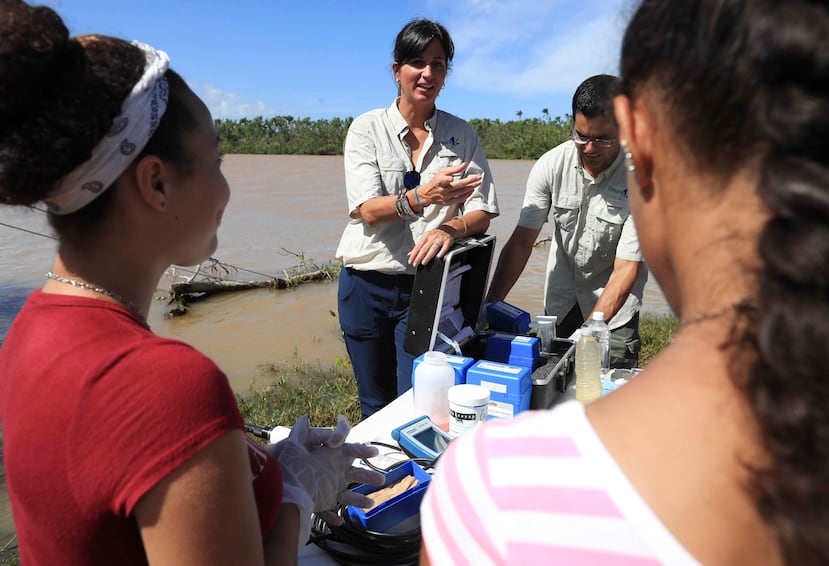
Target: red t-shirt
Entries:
(96, 410)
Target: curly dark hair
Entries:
(745, 83)
(58, 97)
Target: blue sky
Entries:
(324, 59)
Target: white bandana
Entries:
(140, 114)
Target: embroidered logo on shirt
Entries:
(621, 192)
(453, 141)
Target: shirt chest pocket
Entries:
(609, 221)
(566, 214)
(392, 171)
(445, 157)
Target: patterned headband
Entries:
(131, 129)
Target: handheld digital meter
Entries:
(421, 438)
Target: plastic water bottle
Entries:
(602, 334)
(432, 379)
(588, 367)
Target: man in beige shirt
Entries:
(595, 263)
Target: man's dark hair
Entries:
(594, 96)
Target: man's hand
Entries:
(618, 287)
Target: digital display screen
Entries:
(430, 438)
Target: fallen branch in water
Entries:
(221, 286)
(192, 291)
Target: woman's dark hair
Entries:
(745, 84)
(58, 97)
(416, 35)
(594, 97)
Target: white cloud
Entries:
(525, 47)
(229, 105)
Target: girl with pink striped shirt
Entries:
(717, 453)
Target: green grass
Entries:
(322, 393)
(299, 388)
(656, 333)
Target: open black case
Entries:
(446, 314)
(447, 297)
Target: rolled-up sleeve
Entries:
(362, 173)
(628, 247)
(538, 197)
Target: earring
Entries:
(628, 157)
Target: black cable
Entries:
(352, 544)
(259, 430)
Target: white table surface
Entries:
(378, 427)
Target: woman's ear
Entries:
(395, 68)
(635, 131)
(149, 178)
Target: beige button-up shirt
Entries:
(376, 158)
(591, 227)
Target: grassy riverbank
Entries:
(323, 392)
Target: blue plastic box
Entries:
(460, 364)
(514, 350)
(385, 516)
(510, 387)
(503, 316)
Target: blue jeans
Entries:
(373, 309)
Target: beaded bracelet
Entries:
(404, 209)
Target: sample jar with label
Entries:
(468, 407)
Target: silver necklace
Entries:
(96, 289)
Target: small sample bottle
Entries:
(588, 367)
(602, 334)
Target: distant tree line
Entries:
(524, 138)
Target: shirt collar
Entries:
(401, 127)
(611, 170)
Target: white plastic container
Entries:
(602, 334)
(588, 367)
(468, 407)
(432, 379)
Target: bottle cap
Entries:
(598, 315)
(434, 357)
(468, 394)
(585, 332)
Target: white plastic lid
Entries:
(468, 394)
(598, 315)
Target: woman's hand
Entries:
(433, 243)
(447, 188)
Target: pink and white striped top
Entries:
(540, 489)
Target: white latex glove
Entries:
(317, 466)
(303, 434)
